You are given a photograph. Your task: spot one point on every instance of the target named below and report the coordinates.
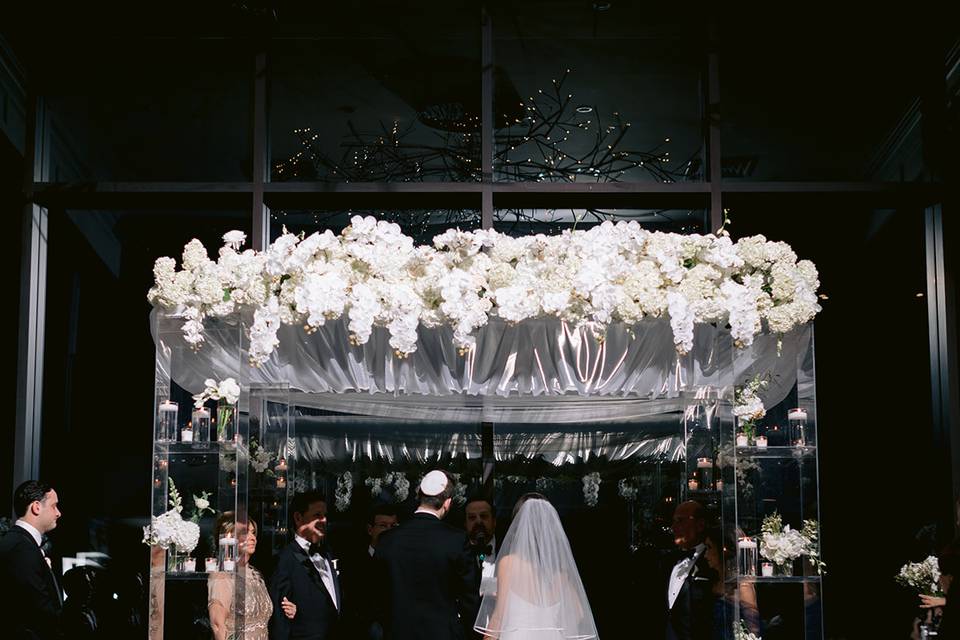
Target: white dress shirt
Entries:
(32, 530)
(681, 571)
(371, 550)
(488, 576)
(323, 567)
(490, 561)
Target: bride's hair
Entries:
(533, 495)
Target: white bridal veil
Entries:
(539, 593)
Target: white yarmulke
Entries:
(433, 483)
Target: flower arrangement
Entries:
(373, 275)
(747, 406)
(545, 485)
(746, 467)
(627, 490)
(260, 459)
(740, 632)
(344, 491)
(170, 530)
(781, 544)
(591, 489)
(399, 482)
(922, 577)
(227, 392)
(459, 489)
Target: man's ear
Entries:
(447, 504)
(35, 507)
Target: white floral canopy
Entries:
(608, 324)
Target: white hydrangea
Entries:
(169, 530)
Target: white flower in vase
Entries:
(229, 391)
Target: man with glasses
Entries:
(358, 574)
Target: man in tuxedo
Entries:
(33, 602)
(690, 580)
(481, 525)
(359, 574)
(429, 576)
(305, 575)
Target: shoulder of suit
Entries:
(16, 537)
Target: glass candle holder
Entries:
(743, 440)
(761, 442)
(747, 556)
(201, 424)
(186, 434)
(226, 421)
(211, 565)
(693, 484)
(190, 565)
(166, 430)
(766, 569)
(705, 473)
(227, 553)
(797, 427)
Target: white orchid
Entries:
(227, 390)
(373, 275)
(234, 239)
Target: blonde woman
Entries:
(221, 588)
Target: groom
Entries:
(690, 580)
(429, 576)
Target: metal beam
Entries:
(486, 119)
(260, 224)
(33, 302)
(714, 159)
(337, 196)
(941, 328)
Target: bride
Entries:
(539, 595)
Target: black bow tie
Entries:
(483, 551)
(686, 555)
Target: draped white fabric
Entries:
(537, 371)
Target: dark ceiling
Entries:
(162, 91)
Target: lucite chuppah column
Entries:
(187, 452)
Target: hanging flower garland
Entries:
(399, 482)
(373, 275)
(344, 491)
(591, 489)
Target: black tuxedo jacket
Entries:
(691, 616)
(430, 579)
(297, 578)
(359, 578)
(31, 607)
